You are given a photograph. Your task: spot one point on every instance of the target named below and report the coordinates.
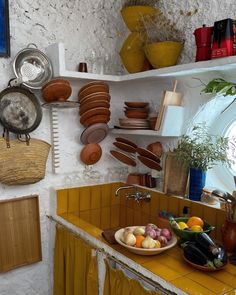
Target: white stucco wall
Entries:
(84, 26)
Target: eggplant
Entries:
(207, 244)
(221, 258)
(195, 255)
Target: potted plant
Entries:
(201, 151)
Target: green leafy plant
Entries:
(202, 150)
(220, 86)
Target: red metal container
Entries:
(223, 38)
(203, 39)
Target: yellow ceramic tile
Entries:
(105, 217)
(191, 287)
(106, 195)
(173, 205)
(231, 269)
(129, 216)
(84, 198)
(184, 203)
(114, 200)
(86, 215)
(163, 201)
(122, 222)
(62, 201)
(220, 219)
(174, 264)
(146, 207)
(145, 218)
(196, 209)
(73, 200)
(130, 203)
(95, 192)
(161, 270)
(137, 206)
(210, 217)
(154, 204)
(137, 218)
(232, 292)
(96, 217)
(211, 283)
(225, 277)
(115, 216)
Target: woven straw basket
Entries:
(22, 163)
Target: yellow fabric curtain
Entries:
(75, 269)
(116, 283)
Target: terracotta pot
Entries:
(91, 153)
(229, 236)
(56, 90)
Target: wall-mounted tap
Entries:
(123, 187)
(137, 196)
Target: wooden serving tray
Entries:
(20, 241)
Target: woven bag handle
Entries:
(26, 139)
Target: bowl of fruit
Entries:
(146, 240)
(187, 228)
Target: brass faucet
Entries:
(137, 196)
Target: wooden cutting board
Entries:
(20, 242)
(175, 176)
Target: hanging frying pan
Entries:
(20, 111)
(33, 66)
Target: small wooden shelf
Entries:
(145, 132)
(56, 53)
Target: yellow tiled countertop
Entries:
(170, 266)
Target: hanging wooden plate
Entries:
(97, 119)
(125, 147)
(121, 139)
(93, 104)
(122, 157)
(94, 112)
(148, 154)
(94, 133)
(93, 83)
(150, 163)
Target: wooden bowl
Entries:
(93, 89)
(136, 114)
(97, 119)
(94, 112)
(94, 83)
(91, 153)
(56, 90)
(95, 96)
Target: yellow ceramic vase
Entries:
(132, 16)
(163, 54)
(132, 53)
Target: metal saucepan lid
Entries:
(20, 111)
(34, 66)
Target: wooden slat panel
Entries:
(20, 241)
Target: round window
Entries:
(231, 134)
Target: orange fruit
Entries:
(196, 228)
(139, 240)
(194, 220)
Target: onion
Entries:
(162, 240)
(165, 232)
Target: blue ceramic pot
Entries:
(197, 182)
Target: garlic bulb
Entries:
(139, 231)
(129, 239)
(149, 243)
